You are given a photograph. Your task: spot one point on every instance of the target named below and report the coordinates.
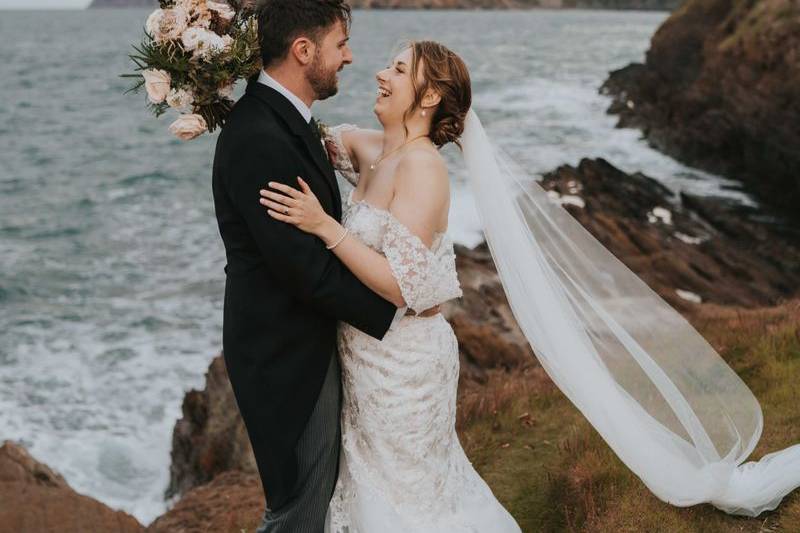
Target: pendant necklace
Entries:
(390, 152)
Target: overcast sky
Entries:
(43, 4)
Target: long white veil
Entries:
(657, 392)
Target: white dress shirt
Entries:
(301, 106)
(304, 110)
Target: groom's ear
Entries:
(303, 50)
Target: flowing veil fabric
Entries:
(662, 398)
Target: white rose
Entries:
(167, 24)
(191, 37)
(156, 83)
(224, 11)
(202, 43)
(180, 99)
(187, 127)
(152, 21)
(226, 91)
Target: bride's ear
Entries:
(430, 99)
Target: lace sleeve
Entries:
(341, 160)
(426, 278)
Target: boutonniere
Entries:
(328, 144)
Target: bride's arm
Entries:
(351, 140)
(420, 196)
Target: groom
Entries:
(284, 291)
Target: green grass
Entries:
(553, 472)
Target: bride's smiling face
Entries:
(395, 88)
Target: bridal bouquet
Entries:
(192, 54)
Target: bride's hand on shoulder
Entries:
(300, 208)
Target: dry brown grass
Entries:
(555, 473)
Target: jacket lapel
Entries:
(299, 127)
(321, 160)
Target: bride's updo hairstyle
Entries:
(445, 73)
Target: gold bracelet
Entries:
(334, 245)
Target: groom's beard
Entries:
(323, 81)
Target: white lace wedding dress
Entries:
(402, 468)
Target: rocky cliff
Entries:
(35, 498)
(703, 255)
(720, 89)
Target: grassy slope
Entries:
(554, 472)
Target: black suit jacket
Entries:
(284, 291)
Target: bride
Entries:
(661, 397)
(402, 467)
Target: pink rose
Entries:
(156, 83)
(187, 127)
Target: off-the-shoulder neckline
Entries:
(438, 236)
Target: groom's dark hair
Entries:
(280, 22)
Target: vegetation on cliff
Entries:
(555, 473)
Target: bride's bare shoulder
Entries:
(423, 165)
(422, 173)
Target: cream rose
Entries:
(224, 11)
(156, 83)
(187, 127)
(167, 24)
(226, 91)
(180, 99)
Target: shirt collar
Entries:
(269, 81)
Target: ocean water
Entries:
(111, 266)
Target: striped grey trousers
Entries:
(317, 465)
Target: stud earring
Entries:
(424, 113)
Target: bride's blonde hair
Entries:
(445, 73)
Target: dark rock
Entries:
(725, 252)
(720, 90)
(488, 335)
(211, 437)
